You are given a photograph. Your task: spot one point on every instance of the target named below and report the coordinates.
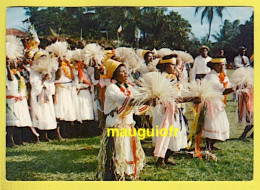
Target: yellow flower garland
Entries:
(66, 71)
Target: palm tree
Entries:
(209, 12)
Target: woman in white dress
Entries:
(119, 156)
(85, 105)
(165, 116)
(42, 107)
(217, 128)
(17, 111)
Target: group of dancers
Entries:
(125, 88)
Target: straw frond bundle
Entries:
(203, 89)
(155, 85)
(93, 54)
(128, 57)
(243, 76)
(14, 47)
(164, 51)
(184, 56)
(59, 48)
(45, 64)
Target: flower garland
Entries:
(21, 83)
(124, 89)
(65, 64)
(81, 75)
(222, 79)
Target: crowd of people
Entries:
(125, 88)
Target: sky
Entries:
(15, 16)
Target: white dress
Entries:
(217, 127)
(85, 102)
(64, 107)
(17, 110)
(178, 138)
(120, 115)
(43, 112)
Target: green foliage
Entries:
(143, 27)
(208, 13)
(232, 35)
(147, 27)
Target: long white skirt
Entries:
(85, 108)
(178, 139)
(43, 115)
(216, 128)
(17, 113)
(64, 108)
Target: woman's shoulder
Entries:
(112, 87)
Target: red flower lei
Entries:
(222, 77)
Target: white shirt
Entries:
(238, 61)
(200, 66)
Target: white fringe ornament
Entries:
(59, 48)
(243, 76)
(155, 52)
(14, 47)
(76, 55)
(184, 56)
(46, 64)
(139, 53)
(93, 54)
(129, 58)
(203, 89)
(155, 85)
(69, 55)
(164, 51)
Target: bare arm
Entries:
(58, 72)
(10, 75)
(228, 91)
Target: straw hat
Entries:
(204, 47)
(37, 55)
(170, 59)
(215, 61)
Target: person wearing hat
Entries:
(119, 156)
(200, 69)
(148, 59)
(167, 65)
(241, 60)
(42, 84)
(216, 125)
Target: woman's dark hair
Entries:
(163, 67)
(116, 72)
(169, 56)
(146, 54)
(109, 48)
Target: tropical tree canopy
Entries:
(208, 13)
(142, 27)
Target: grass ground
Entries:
(76, 160)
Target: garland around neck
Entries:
(124, 88)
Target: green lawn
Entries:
(76, 160)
